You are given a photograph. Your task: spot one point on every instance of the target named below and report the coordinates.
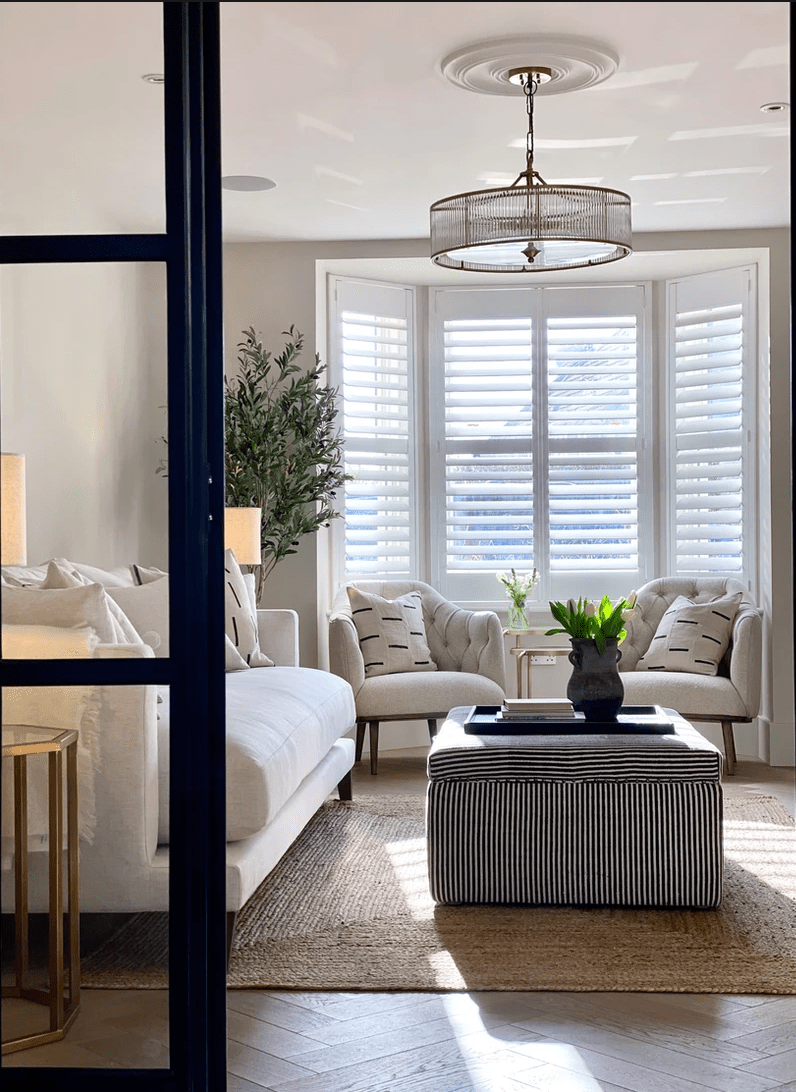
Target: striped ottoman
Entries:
(580, 820)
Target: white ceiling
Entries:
(344, 107)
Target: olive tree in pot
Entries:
(283, 451)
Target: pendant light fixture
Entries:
(530, 226)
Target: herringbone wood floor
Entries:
(479, 1042)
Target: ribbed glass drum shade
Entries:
(487, 231)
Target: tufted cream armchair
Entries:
(732, 696)
(466, 646)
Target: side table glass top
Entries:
(34, 739)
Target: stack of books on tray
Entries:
(537, 709)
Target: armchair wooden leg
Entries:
(729, 746)
(432, 728)
(360, 739)
(374, 746)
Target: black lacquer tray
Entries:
(646, 720)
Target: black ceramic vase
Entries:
(595, 687)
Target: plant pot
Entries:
(518, 617)
(595, 687)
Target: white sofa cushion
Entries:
(689, 694)
(401, 695)
(280, 725)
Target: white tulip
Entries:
(590, 610)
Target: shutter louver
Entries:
(592, 414)
(708, 411)
(488, 431)
(376, 423)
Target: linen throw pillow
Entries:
(392, 633)
(142, 575)
(240, 620)
(64, 608)
(62, 574)
(692, 636)
(147, 607)
(233, 661)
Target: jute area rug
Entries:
(348, 908)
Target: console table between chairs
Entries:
(523, 653)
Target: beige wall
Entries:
(83, 365)
(271, 285)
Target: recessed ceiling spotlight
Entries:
(246, 183)
(774, 107)
(154, 77)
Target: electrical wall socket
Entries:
(538, 660)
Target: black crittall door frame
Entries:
(191, 252)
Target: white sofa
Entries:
(287, 750)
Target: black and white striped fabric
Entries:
(611, 821)
(576, 763)
(598, 843)
(391, 632)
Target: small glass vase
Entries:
(518, 616)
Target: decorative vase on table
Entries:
(518, 616)
(595, 687)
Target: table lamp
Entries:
(13, 533)
(242, 534)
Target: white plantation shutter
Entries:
(373, 370)
(592, 413)
(488, 460)
(712, 367)
(535, 439)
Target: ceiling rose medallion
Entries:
(530, 226)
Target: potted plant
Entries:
(283, 454)
(595, 631)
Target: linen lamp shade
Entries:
(242, 534)
(13, 533)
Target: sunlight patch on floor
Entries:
(767, 850)
(447, 973)
(408, 859)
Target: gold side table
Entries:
(523, 654)
(19, 742)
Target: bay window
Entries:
(532, 426)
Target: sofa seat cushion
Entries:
(280, 724)
(688, 694)
(421, 694)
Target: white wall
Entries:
(271, 285)
(83, 371)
